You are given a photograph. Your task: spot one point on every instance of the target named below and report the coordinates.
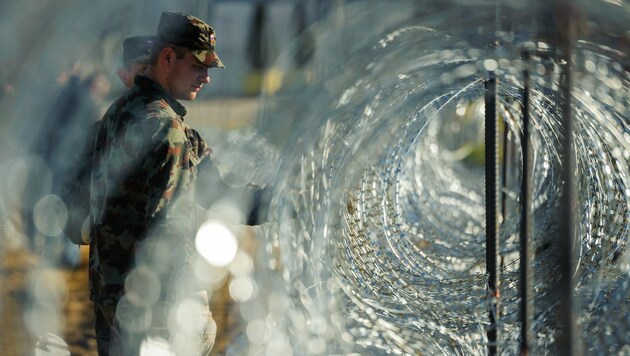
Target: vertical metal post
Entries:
(492, 221)
(568, 343)
(505, 176)
(526, 312)
(505, 170)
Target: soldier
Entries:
(142, 200)
(136, 52)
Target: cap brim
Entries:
(209, 58)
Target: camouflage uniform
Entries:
(145, 162)
(145, 166)
(142, 204)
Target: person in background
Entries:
(51, 144)
(136, 52)
(76, 191)
(142, 202)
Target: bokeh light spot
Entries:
(216, 243)
(242, 265)
(142, 287)
(155, 346)
(242, 289)
(50, 215)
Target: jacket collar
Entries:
(151, 85)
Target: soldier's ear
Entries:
(167, 55)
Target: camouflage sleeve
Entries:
(200, 146)
(163, 166)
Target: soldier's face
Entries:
(187, 77)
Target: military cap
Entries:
(137, 49)
(189, 32)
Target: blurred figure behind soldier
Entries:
(54, 141)
(135, 58)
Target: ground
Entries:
(78, 330)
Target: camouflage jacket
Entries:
(142, 199)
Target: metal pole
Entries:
(506, 168)
(525, 233)
(492, 221)
(568, 343)
(507, 155)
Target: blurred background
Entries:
(367, 118)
